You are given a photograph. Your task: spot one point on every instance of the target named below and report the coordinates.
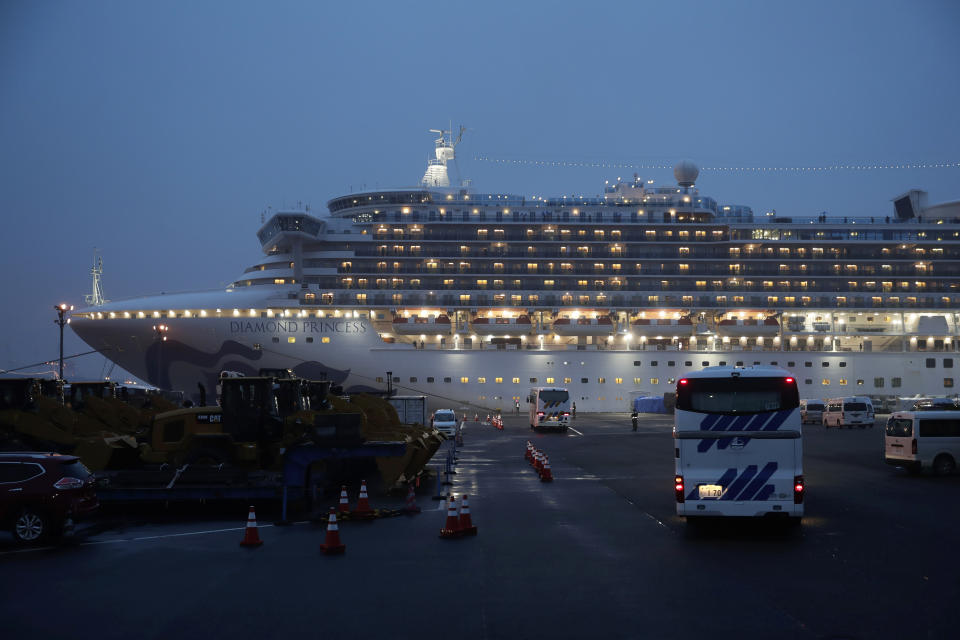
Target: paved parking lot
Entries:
(598, 551)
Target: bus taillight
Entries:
(678, 488)
(788, 380)
(683, 381)
(540, 414)
(798, 490)
(566, 414)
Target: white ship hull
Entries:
(600, 378)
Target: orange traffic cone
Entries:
(466, 525)
(411, 506)
(250, 537)
(545, 474)
(344, 500)
(528, 455)
(537, 461)
(332, 545)
(364, 512)
(452, 528)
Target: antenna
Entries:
(95, 298)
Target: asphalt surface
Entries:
(597, 553)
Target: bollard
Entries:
(439, 495)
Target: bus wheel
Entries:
(943, 465)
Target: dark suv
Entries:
(41, 494)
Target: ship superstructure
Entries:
(474, 297)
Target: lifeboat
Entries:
(502, 326)
(583, 326)
(735, 328)
(652, 327)
(415, 325)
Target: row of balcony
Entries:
(618, 301)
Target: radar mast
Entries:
(96, 299)
(444, 151)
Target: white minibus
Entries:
(848, 412)
(738, 443)
(549, 408)
(923, 440)
(811, 411)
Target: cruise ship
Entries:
(473, 298)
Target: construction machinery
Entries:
(254, 427)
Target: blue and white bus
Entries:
(738, 443)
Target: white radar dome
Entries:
(686, 173)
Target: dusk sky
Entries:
(158, 132)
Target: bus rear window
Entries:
(900, 427)
(737, 395)
(556, 396)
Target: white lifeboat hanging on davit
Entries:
(748, 327)
(583, 326)
(652, 327)
(415, 325)
(502, 326)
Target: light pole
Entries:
(161, 331)
(61, 310)
(389, 384)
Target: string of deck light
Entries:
(624, 165)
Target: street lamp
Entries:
(61, 310)
(161, 331)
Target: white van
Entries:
(811, 411)
(738, 443)
(923, 440)
(848, 412)
(549, 408)
(444, 421)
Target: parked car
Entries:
(41, 494)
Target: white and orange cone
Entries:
(250, 536)
(344, 500)
(332, 545)
(364, 511)
(466, 524)
(411, 506)
(452, 527)
(545, 474)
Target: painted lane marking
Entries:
(575, 431)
